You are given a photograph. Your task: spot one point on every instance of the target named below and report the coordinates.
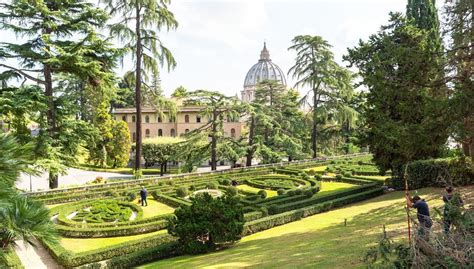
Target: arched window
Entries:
(133, 118)
(147, 119)
(124, 118)
(134, 137)
(186, 118)
(232, 132)
(172, 132)
(198, 118)
(160, 132)
(186, 131)
(147, 133)
(159, 119)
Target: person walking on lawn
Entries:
(423, 215)
(143, 195)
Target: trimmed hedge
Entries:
(143, 256)
(435, 173)
(294, 215)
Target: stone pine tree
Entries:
(316, 69)
(57, 38)
(138, 26)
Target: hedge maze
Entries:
(111, 211)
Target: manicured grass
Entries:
(319, 241)
(155, 208)
(248, 188)
(317, 168)
(381, 178)
(328, 187)
(77, 245)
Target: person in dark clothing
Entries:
(143, 195)
(449, 202)
(423, 215)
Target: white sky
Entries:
(217, 41)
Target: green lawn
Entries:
(248, 188)
(317, 168)
(319, 241)
(77, 245)
(155, 208)
(381, 178)
(328, 187)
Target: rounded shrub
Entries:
(291, 193)
(211, 185)
(281, 191)
(315, 190)
(264, 211)
(155, 194)
(338, 177)
(318, 177)
(332, 162)
(298, 191)
(360, 162)
(308, 193)
(232, 191)
(182, 192)
(129, 196)
(192, 188)
(111, 194)
(273, 209)
(226, 182)
(311, 172)
(347, 174)
(262, 193)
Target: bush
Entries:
(318, 177)
(347, 174)
(129, 196)
(291, 193)
(264, 211)
(312, 172)
(155, 194)
(226, 182)
(273, 209)
(111, 194)
(298, 191)
(192, 224)
(338, 177)
(281, 191)
(137, 174)
(99, 180)
(182, 192)
(192, 188)
(211, 186)
(170, 182)
(308, 193)
(262, 193)
(436, 173)
(360, 162)
(232, 191)
(315, 190)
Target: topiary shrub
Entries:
(182, 192)
(332, 162)
(262, 193)
(312, 172)
(211, 185)
(338, 177)
(129, 196)
(281, 191)
(291, 193)
(155, 194)
(273, 209)
(315, 190)
(347, 174)
(318, 177)
(232, 191)
(360, 162)
(226, 182)
(207, 224)
(298, 191)
(111, 194)
(264, 211)
(192, 188)
(308, 193)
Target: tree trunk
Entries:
(138, 89)
(53, 181)
(162, 169)
(471, 149)
(214, 142)
(250, 149)
(51, 114)
(314, 134)
(465, 148)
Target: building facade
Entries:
(188, 118)
(264, 69)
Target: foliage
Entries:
(262, 193)
(207, 224)
(388, 254)
(404, 120)
(119, 148)
(329, 84)
(162, 150)
(182, 192)
(104, 211)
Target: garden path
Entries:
(35, 257)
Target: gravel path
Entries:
(35, 257)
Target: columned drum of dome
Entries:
(265, 69)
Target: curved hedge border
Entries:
(253, 183)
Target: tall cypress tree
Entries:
(58, 38)
(424, 15)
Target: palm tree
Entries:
(21, 217)
(148, 50)
(329, 84)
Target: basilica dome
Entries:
(265, 69)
